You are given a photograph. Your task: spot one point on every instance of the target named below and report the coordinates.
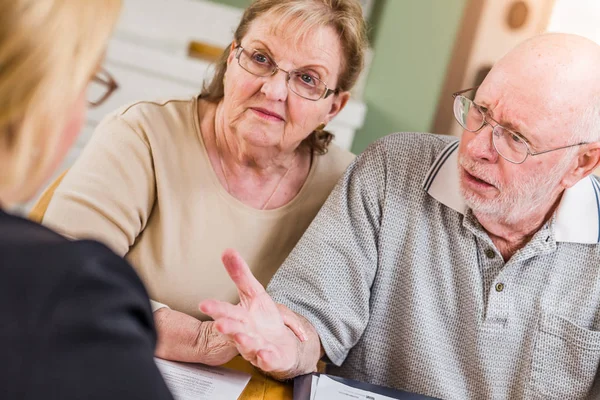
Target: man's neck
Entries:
(511, 236)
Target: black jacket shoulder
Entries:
(77, 321)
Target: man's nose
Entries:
(480, 144)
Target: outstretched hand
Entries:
(265, 333)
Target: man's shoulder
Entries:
(406, 154)
(414, 145)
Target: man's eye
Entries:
(516, 138)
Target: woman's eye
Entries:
(260, 58)
(308, 79)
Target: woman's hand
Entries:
(257, 326)
(184, 338)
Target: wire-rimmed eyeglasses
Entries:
(303, 83)
(510, 145)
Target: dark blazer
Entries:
(75, 320)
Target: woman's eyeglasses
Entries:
(100, 88)
(303, 83)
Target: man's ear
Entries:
(339, 101)
(587, 161)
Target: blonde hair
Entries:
(49, 49)
(344, 16)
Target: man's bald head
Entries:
(557, 74)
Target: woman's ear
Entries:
(231, 52)
(339, 102)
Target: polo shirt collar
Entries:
(577, 218)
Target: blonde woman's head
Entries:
(49, 51)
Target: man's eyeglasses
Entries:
(100, 88)
(304, 84)
(510, 145)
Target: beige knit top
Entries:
(145, 187)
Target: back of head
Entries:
(49, 49)
(344, 16)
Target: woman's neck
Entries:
(241, 156)
(261, 178)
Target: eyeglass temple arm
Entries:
(558, 148)
(464, 91)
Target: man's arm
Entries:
(309, 352)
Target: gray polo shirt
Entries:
(407, 290)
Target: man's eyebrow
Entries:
(505, 124)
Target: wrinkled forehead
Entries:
(530, 106)
(307, 41)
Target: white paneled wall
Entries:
(148, 58)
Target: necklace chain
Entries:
(276, 186)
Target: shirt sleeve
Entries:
(157, 306)
(101, 336)
(109, 192)
(328, 276)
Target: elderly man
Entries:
(459, 270)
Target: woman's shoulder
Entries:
(160, 125)
(149, 116)
(333, 163)
(159, 108)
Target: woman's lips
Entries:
(267, 114)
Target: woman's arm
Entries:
(184, 338)
(109, 193)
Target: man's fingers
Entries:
(240, 274)
(217, 309)
(292, 321)
(230, 327)
(269, 360)
(247, 346)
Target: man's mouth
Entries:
(476, 180)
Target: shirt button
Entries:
(489, 253)
(499, 287)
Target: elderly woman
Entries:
(247, 164)
(76, 320)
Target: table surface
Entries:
(260, 386)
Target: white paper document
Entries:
(202, 382)
(329, 389)
(313, 386)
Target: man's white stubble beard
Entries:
(517, 200)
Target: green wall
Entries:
(412, 45)
(413, 41)
(235, 3)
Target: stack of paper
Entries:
(324, 387)
(201, 382)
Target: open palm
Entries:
(263, 332)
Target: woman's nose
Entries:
(275, 87)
